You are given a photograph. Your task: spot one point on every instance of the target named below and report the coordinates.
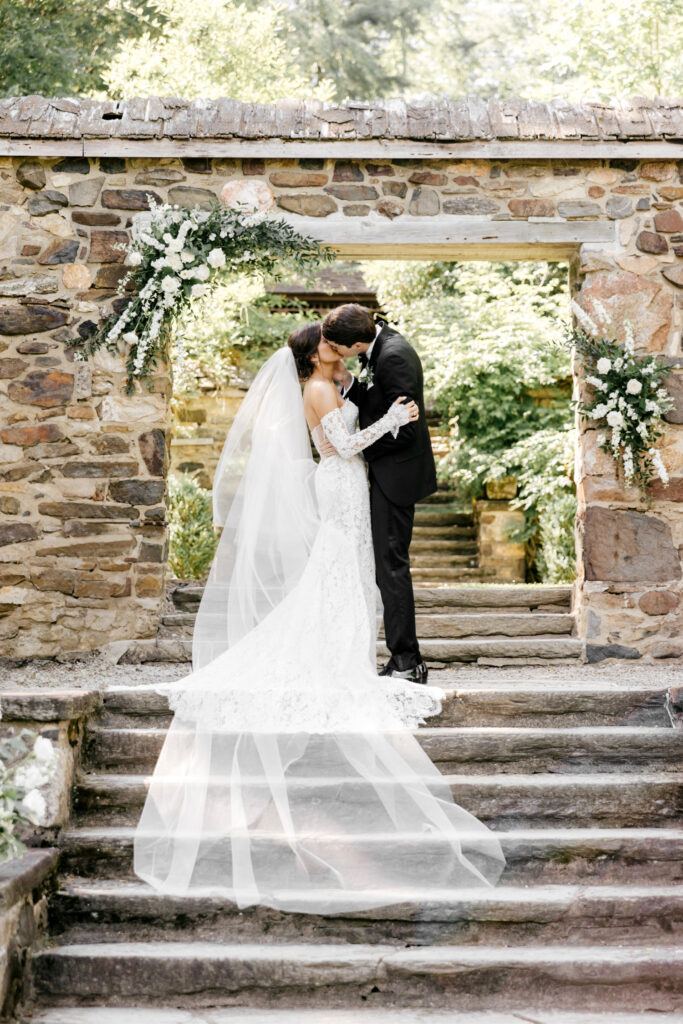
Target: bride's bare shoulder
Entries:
(321, 396)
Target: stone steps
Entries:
(496, 648)
(482, 749)
(452, 626)
(470, 703)
(83, 911)
(638, 800)
(535, 856)
(302, 1015)
(464, 977)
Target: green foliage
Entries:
(209, 49)
(543, 464)
(234, 331)
(486, 333)
(61, 47)
(192, 541)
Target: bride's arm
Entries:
(325, 403)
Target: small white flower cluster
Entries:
(621, 379)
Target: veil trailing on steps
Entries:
(290, 776)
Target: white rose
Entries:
(134, 259)
(202, 273)
(174, 262)
(615, 419)
(187, 256)
(130, 338)
(34, 806)
(634, 387)
(170, 285)
(175, 245)
(216, 258)
(599, 411)
(197, 290)
(604, 365)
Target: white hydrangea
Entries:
(216, 258)
(604, 365)
(634, 387)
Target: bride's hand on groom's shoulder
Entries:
(410, 407)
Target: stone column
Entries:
(629, 588)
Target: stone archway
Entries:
(82, 533)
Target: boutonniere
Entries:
(365, 376)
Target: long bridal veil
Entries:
(290, 775)
(263, 498)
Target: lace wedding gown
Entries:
(290, 776)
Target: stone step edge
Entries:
(370, 1015)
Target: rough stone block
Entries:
(424, 202)
(346, 170)
(15, 533)
(106, 246)
(297, 179)
(31, 174)
(152, 444)
(11, 368)
(30, 319)
(469, 206)
(46, 389)
(531, 208)
(668, 221)
(59, 251)
(352, 193)
(576, 210)
(46, 202)
(628, 547)
(31, 435)
(130, 199)
(308, 206)
(650, 241)
(188, 197)
(100, 469)
(138, 492)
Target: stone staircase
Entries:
(495, 625)
(581, 781)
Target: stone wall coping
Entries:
(163, 125)
(18, 877)
(48, 705)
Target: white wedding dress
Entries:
(290, 776)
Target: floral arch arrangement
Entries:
(176, 255)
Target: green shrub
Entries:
(192, 541)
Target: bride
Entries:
(290, 776)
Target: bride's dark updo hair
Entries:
(304, 343)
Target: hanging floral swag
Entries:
(629, 399)
(175, 257)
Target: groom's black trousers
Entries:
(392, 531)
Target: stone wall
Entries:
(82, 545)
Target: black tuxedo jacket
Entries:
(403, 467)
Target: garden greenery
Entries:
(494, 374)
(177, 256)
(191, 536)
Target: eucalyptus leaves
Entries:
(175, 256)
(629, 398)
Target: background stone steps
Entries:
(85, 910)
(199, 973)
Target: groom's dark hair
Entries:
(347, 324)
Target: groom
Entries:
(401, 468)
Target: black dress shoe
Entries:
(388, 669)
(416, 674)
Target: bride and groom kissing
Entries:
(401, 467)
(291, 776)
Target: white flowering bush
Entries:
(629, 398)
(175, 257)
(27, 763)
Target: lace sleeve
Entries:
(348, 445)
